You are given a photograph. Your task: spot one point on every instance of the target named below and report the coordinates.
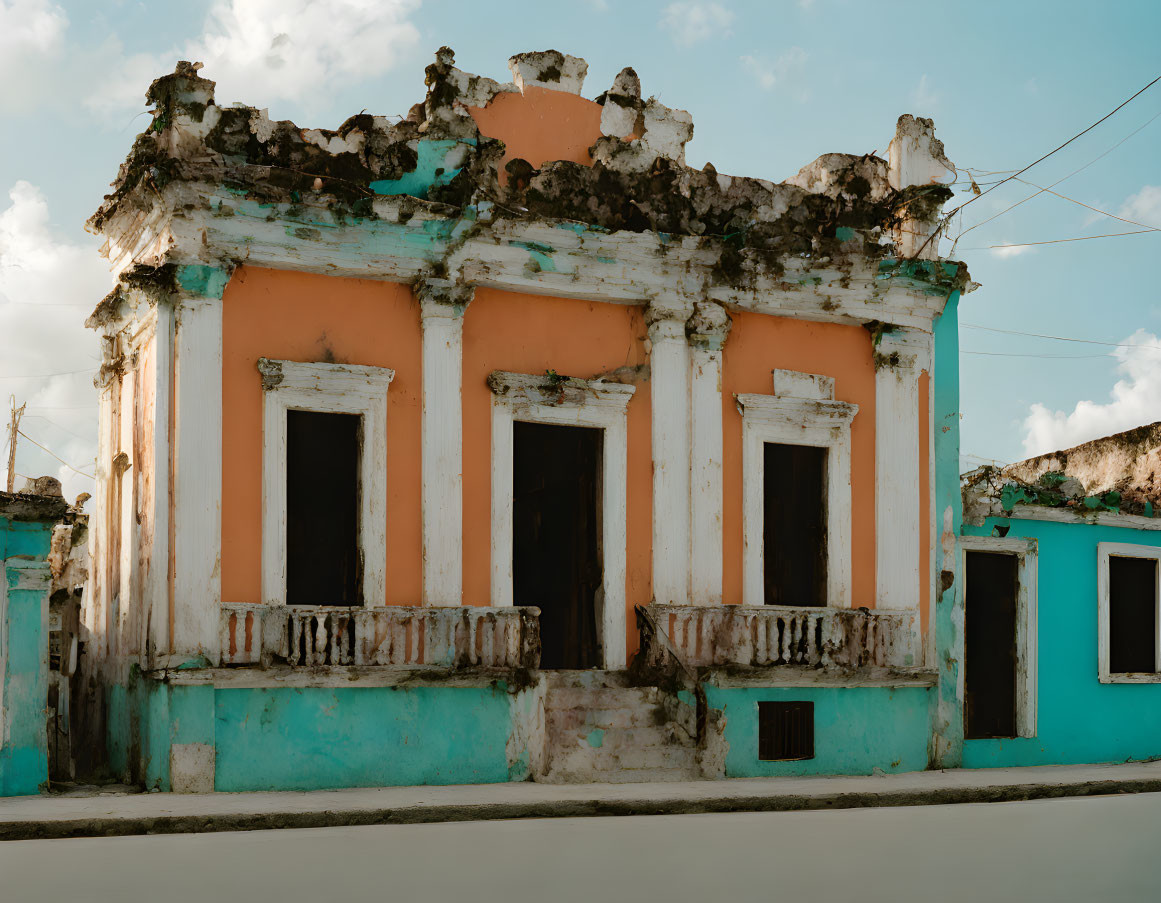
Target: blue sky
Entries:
(771, 86)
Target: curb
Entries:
(122, 826)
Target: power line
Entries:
(1059, 338)
(55, 455)
(1054, 184)
(1039, 160)
(1064, 197)
(47, 375)
(59, 427)
(1057, 241)
(1069, 357)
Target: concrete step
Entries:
(601, 698)
(586, 759)
(623, 776)
(573, 720)
(591, 679)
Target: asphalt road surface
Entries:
(1099, 849)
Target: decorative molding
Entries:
(401, 241)
(797, 421)
(330, 388)
(1125, 550)
(1027, 631)
(1072, 516)
(568, 402)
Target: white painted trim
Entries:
(197, 453)
(797, 421)
(573, 402)
(1124, 550)
(669, 400)
(1070, 516)
(328, 388)
(1027, 620)
(442, 443)
(706, 481)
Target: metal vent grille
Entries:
(785, 730)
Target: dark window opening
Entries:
(990, 645)
(323, 564)
(1132, 615)
(556, 561)
(785, 730)
(794, 524)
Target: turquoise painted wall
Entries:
(947, 724)
(310, 739)
(318, 738)
(856, 729)
(24, 754)
(1079, 719)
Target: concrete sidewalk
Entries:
(31, 817)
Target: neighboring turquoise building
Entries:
(26, 523)
(1077, 532)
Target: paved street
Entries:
(1099, 848)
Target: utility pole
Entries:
(13, 428)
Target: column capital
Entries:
(443, 297)
(708, 327)
(902, 348)
(666, 318)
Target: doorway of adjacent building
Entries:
(556, 529)
(990, 644)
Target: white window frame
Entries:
(813, 421)
(332, 389)
(566, 402)
(1027, 555)
(1105, 550)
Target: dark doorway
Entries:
(322, 509)
(794, 524)
(556, 562)
(1132, 615)
(990, 645)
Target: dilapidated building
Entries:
(498, 443)
(1060, 600)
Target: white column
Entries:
(197, 485)
(156, 589)
(442, 305)
(900, 356)
(707, 331)
(669, 393)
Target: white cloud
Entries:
(1144, 206)
(47, 288)
(784, 72)
(31, 45)
(923, 98)
(260, 51)
(1133, 401)
(690, 22)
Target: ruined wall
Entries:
(302, 317)
(533, 334)
(759, 344)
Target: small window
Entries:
(1129, 621)
(322, 509)
(785, 731)
(794, 524)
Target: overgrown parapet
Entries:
(440, 161)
